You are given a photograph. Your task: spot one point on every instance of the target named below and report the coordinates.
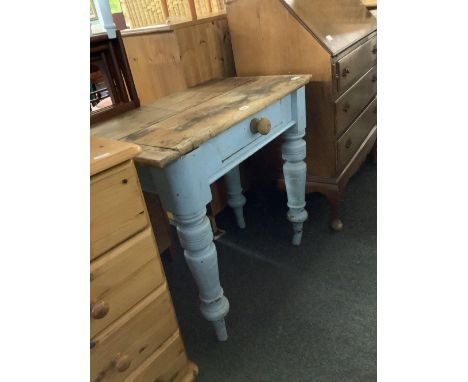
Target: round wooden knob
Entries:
(346, 107)
(262, 126)
(122, 362)
(348, 143)
(99, 309)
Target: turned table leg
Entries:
(294, 169)
(196, 237)
(184, 191)
(235, 198)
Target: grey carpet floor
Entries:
(303, 313)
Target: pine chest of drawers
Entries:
(134, 331)
(336, 42)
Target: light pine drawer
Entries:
(120, 348)
(122, 277)
(117, 207)
(350, 104)
(354, 64)
(168, 363)
(350, 142)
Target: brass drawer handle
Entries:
(262, 126)
(345, 72)
(374, 78)
(346, 107)
(99, 309)
(348, 143)
(122, 362)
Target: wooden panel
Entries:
(155, 64)
(134, 337)
(262, 48)
(350, 104)
(168, 363)
(117, 207)
(205, 51)
(124, 276)
(354, 64)
(167, 61)
(350, 142)
(106, 153)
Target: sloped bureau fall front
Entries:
(336, 42)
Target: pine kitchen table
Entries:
(194, 137)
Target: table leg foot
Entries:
(235, 198)
(297, 236)
(220, 328)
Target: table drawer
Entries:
(122, 277)
(117, 208)
(122, 347)
(240, 136)
(350, 104)
(349, 143)
(168, 363)
(354, 64)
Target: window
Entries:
(143, 13)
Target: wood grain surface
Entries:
(178, 124)
(117, 208)
(106, 153)
(168, 59)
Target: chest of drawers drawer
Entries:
(122, 277)
(123, 346)
(117, 208)
(168, 363)
(350, 104)
(350, 141)
(354, 64)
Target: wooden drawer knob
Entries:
(348, 143)
(345, 72)
(262, 126)
(346, 107)
(99, 309)
(122, 362)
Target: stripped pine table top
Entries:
(177, 124)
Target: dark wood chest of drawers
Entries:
(336, 42)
